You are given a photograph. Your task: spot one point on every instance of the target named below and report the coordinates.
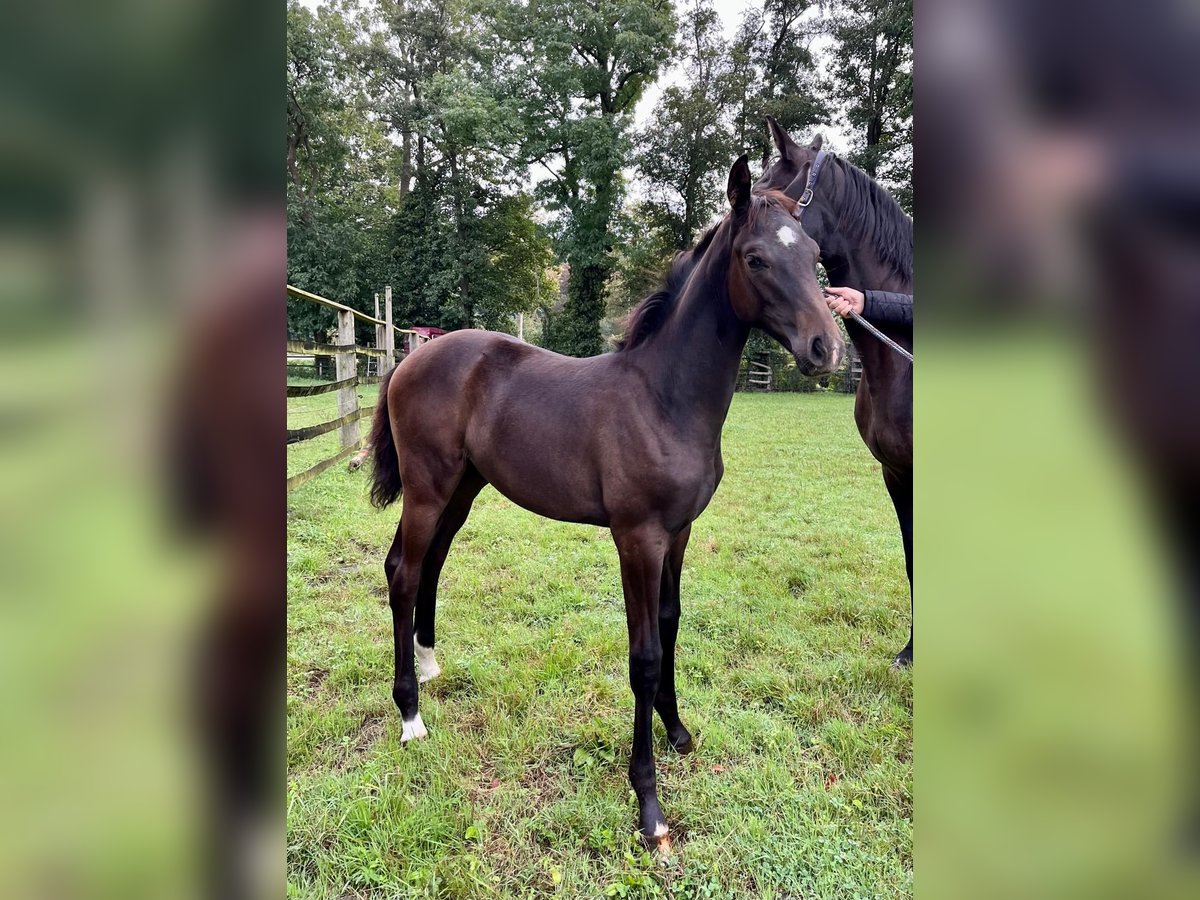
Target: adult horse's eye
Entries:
(755, 262)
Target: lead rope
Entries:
(879, 334)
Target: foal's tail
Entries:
(385, 481)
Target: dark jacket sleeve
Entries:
(884, 306)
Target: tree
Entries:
(683, 152)
(642, 257)
(773, 73)
(872, 82)
(588, 62)
(337, 189)
(404, 168)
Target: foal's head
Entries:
(772, 275)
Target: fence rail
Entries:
(347, 379)
(340, 307)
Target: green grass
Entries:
(794, 601)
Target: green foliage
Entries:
(685, 150)
(774, 73)
(337, 191)
(644, 250)
(872, 85)
(460, 150)
(438, 213)
(590, 63)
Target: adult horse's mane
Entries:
(871, 214)
(648, 316)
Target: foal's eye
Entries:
(755, 262)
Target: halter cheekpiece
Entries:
(814, 173)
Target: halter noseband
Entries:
(814, 173)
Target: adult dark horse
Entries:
(866, 242)
(630, 440)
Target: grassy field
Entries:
(794, 601)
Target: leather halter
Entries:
(814, 173)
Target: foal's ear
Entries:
(783, 141)
(738, 189)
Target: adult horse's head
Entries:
(791, 171)
(788, 173)
(772, 275)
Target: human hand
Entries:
(845, 300)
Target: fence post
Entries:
(347, 367)
(379, 362)
(389, 330)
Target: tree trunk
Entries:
(406, 165)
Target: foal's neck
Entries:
(693, 360)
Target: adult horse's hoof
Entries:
(414, 729)
(903, 660)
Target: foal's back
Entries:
(557, 435)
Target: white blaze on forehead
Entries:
(786, 235)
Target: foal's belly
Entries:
(546, 498)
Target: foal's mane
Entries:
(648, 316)
(870, 214)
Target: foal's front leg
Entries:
(642, 553)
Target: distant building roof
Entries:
(428, 332)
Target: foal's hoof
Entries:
(659, 841)
(414, 729)
(903, 660)
(427, 664)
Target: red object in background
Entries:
(427, 332)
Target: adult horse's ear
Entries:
(799, 184)
(817, 143)
(783, 141)
(738, 189)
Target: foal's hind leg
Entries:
(900, 489)
(668, 627)
(453, 518)
(423, 509)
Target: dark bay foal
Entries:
(630, 440)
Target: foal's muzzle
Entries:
(822, 356)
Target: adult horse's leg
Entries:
(453, 518)
(668, 628)
(643, 551)
(900, 486)
(423, 507)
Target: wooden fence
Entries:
(345, 353)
